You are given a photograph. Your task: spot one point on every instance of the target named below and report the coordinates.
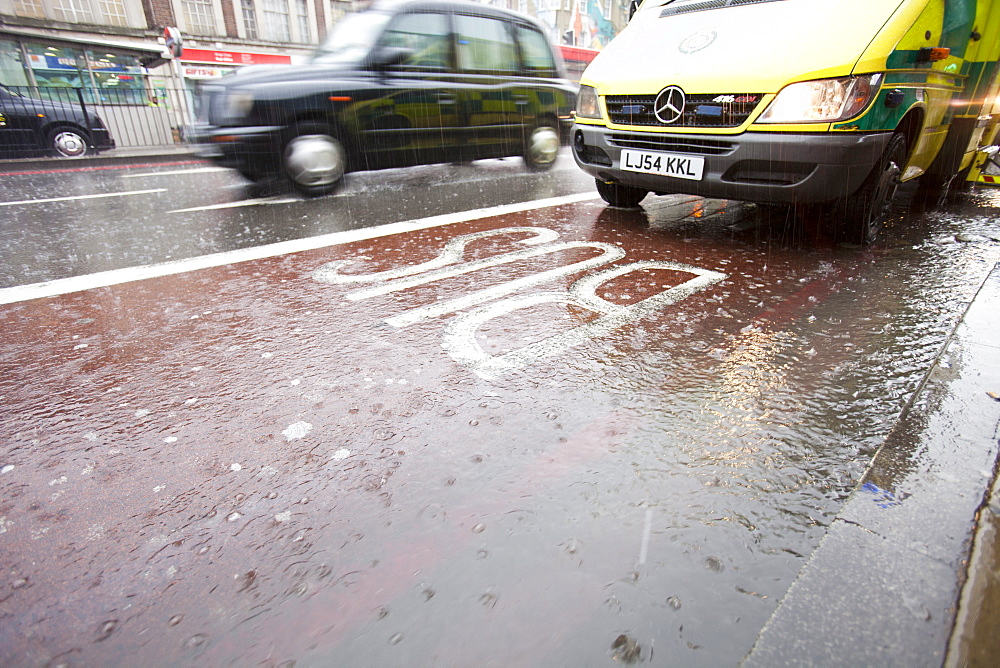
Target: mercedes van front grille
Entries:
(712, 110)
(672, 9)
(650, 141)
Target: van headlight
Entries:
(238, 103)
(587, 105)
(822, 101)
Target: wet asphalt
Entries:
(716, 438)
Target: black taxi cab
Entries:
(402, 83)
(64, 129)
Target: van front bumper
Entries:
(765, 167)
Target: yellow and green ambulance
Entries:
(828, 102)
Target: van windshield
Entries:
(352, 38)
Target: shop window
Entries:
(56, 68)
(95, 76)
(12, 72)
(118, 79)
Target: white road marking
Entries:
(104, 279)
(196, 170)
(459, 337)
(609, 253)
(460, 333)
(76, 197)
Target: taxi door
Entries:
(18, 122)
(413, 118)
(494, 103)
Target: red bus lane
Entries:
(371, 450)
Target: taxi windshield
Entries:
(351, 38)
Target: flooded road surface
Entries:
(567, 435)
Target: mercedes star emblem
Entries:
(669, 105)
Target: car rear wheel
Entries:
(541, 148)
(615, 194)
(68, 143)
(314, 160)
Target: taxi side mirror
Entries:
(387, 56)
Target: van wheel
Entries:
(68, 143)
(865, 212)
(541, 148)
(314, 160)
(623, 197)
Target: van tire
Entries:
(68, 143)
(864, 213)
(314, 160)
(541, 148)
(617, 195)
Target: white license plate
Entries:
(664, 164)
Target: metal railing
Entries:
(136, 118)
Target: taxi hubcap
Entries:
(70, 144)
(314, 160)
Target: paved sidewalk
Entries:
(882, 587)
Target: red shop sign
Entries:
(234, 57)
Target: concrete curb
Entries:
(114, 157)
(883, 586)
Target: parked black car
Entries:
(404, 82)
(29, 126)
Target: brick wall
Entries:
(159, 13)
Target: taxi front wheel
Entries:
(68, 143)
(314, 160)
(623, 197)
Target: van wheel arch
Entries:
(910, 127)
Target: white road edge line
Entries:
(195, 170)
(105, 279)
(76, 197)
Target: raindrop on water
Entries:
(106, 629)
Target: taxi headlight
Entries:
(822, 101)
(238, 103)
(586, 103)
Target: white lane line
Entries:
(76, 197)
(197, 170)
(246, 202)
(104, 279)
